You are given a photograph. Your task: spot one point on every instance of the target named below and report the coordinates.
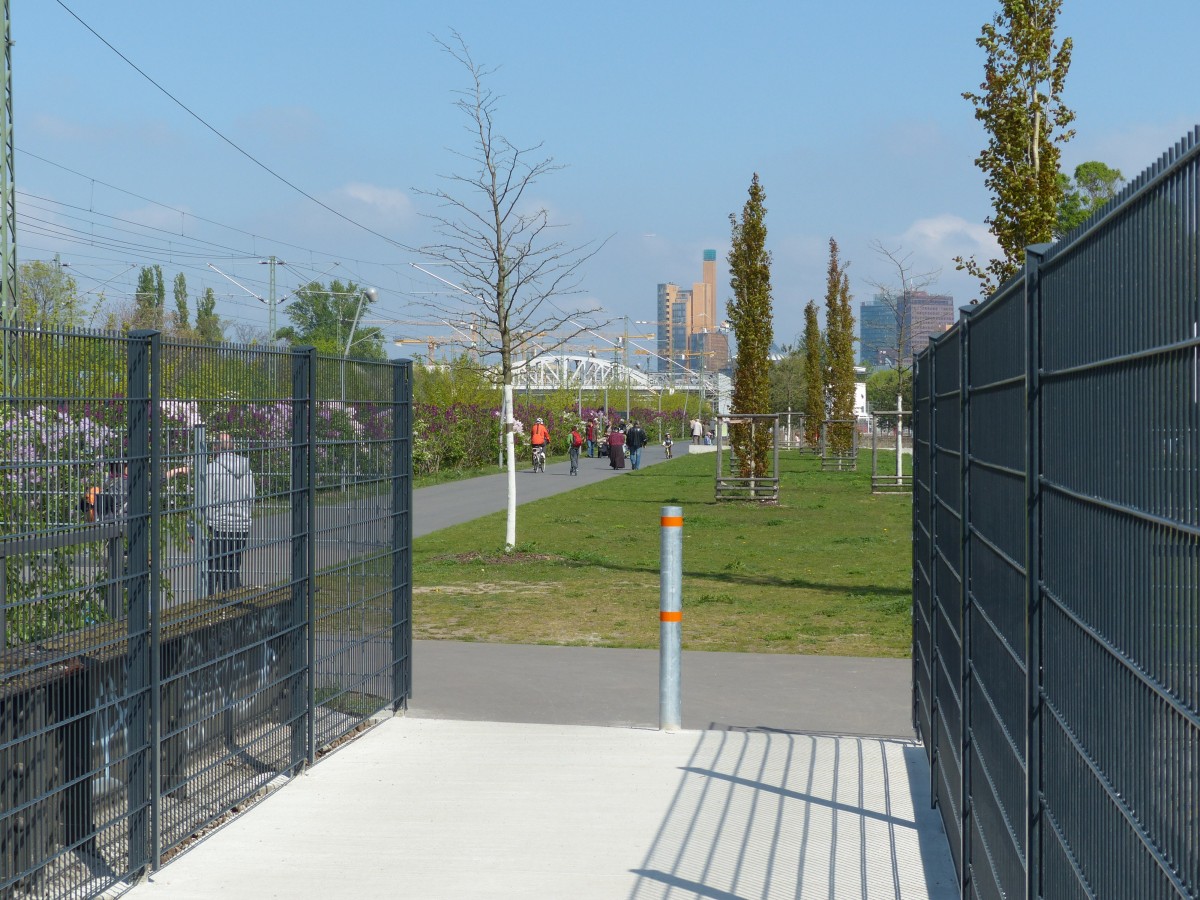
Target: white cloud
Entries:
(387, 204)
(944, 236)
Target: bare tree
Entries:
(898, 296)
(502, 249)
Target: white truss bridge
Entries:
(551, 372)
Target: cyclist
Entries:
(539, 436)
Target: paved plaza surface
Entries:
(540, 772)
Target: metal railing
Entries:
(206, 579)
(898, 478)
(1056, 560)
(741, 440)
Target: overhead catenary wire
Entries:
(229, 141)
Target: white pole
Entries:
(510, 534)
(670, 619)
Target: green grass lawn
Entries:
(826, 571)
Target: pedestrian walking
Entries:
(636, 439)
(590, 431)
(227, 514)
(616, 448)
(573, 451)
(697, 431)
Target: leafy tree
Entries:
(750, 317)
(323, 318)
(48, 297)
(501, 248)
(1020, 105)
(1095, 184)
(839, 348)
(885, 385)
(181, 303)
(208, 323)
(787, 379)
(814, 376)
(150, 298)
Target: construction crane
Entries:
(432, 342)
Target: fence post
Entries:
(401, 533)
(933, 579)
(1033, 574)
(302, 501)
(200, 545)
(670, 618)
(965, 662)
(139, 414)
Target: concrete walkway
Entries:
(428, 808)
(539, 772)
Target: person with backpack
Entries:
(636, 439)
(576, 444)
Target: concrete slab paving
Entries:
(456, 809)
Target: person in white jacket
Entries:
(227, 511)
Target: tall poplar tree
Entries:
(814, 375)
(150, 296)
(750, 317)
(181, 303)
(1020, 104)
(208, 323)
(839, 349)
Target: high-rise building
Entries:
(887, 322)
(683, 313)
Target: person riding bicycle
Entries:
(539, 436)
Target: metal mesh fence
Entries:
(1056, 605)
(168, 645)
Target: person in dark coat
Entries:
(636, 439)
(616, 448)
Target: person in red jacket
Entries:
(591, 437)
(539, 435)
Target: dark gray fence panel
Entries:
(994, 608)
(354, 659)
(156, 654)
(1079, 616)
(922, 565)
(946, 457)
(1120, 558)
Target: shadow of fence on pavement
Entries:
(761, 814)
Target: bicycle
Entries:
(539, 458)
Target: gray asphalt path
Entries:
(616, 687)
(443, 505)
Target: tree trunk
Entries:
(510, 534)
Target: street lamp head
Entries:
(371, 294)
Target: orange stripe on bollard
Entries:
(676, 616)
(671, 521)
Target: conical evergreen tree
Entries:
(750, 316)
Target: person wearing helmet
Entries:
(539, 435)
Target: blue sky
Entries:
(850, 113)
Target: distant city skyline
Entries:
(687, 323)
(912, 318)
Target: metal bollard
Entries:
(670, 618)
